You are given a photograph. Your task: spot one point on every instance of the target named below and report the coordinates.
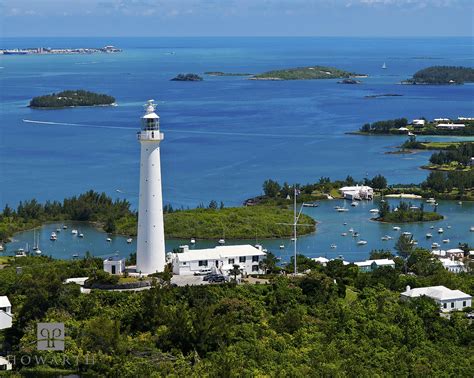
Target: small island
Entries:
(220, 73)
(442, 75)
(306, 73)
(405, 213)
(71, 98)
(187, 77)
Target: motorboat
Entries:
(414, 207)
(53, 236)
(344, 224)
(313, 204)
(460, 203)
(192, 241)
(432, 227)
(355, 234)
(351, 229)
(471, 229)
(435, 245)
(1, 248)
(58, 230)
(446, 241)
(342, 209)
(354, 204)
(74, 232)
(449, 227)
(440, 230)
(386, 237)
(64, 227)
(430, 200)
(81, 235)
(333, 246)
(344, 234)
(129, 241)
(374, 211)
(109, 239)
(406, 233)
(396, 228)
(75, 255)
(282, 246)
(221, 241)
(38, 252)
(429, 235)
(293, 239)
(20, 253)
(362, 242)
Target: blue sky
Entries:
(236, 17)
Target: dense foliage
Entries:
(187, 77)
(334, 321)
(305, 73)
(443, 75)
(405, 213)
(384, 127)
(235, 223)
(430, 128)
(71, 98)
(442, 182)
(460, 155)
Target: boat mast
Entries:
(294, 229)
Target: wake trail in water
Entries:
(224, 133)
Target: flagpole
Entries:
(294, 228)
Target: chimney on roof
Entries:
(408, 288)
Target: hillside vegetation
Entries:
(443, 75)
(304, 73)
(71, 98)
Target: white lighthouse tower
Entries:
(151, 235)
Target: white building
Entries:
(6, 316)
(321, 260)
(357, 192)
(453, 266)
(5, 364)
(442, 120)
(371, 265)
(418, 122)
(455, 252)
(450, 126)
(151, 235)
(114, 265)
(449, 300)
(466, 118)
(220, 259)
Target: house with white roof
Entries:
(455, 252)
(448, 300)
(5, 364)
(418, 122)
(453, 266)
(220, 259)
(358, 192)
(321, 260)
(6, 316)
(371, 265)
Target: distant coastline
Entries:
(60, 51)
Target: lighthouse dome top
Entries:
(150, 107)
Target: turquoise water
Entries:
(456, 225)
(226, 135)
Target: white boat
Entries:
(384, 66)
(53, 236)
(406, 233)
(345, 223)
(342, 209)
(344, 234)
(460, 203)
(471, 229)
(410, 134)
(1, 248)
(282, 246)
(81, 235)
(446, 240)
(351, 229)
(109, 239)
(435, 245)
(354, 204)
(221, 241)
(333, 246)
(440, 230)
(361, 242)
(355, 234)
(58, 230)
(430, 200)
(428, 235)
(396, 228)
(374, 211)
(386, 237)
(74, 232)
(432, 227)
(64, 227)
(75, 256)
(293, 239)
(449, 227)
(38, 252)
(20, 253)
(192, 241)
(129, 240)
(414, 207)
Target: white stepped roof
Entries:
(218, 252)
(436, 292)
(379, 262)
(4, 301)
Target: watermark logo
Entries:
(50, 336)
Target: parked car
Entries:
(203, 272)
(217, 278)
(210, 276)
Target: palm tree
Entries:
(235, 271)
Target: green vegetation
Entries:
(391, 127)
(187, 77)
(453, 159)
(220, 73)
(405, 213)
(413, 144)
(334, 321)
(305, 73)
(442, 75)
(235, 223)
(71, 98)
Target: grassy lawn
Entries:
(5, 260)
